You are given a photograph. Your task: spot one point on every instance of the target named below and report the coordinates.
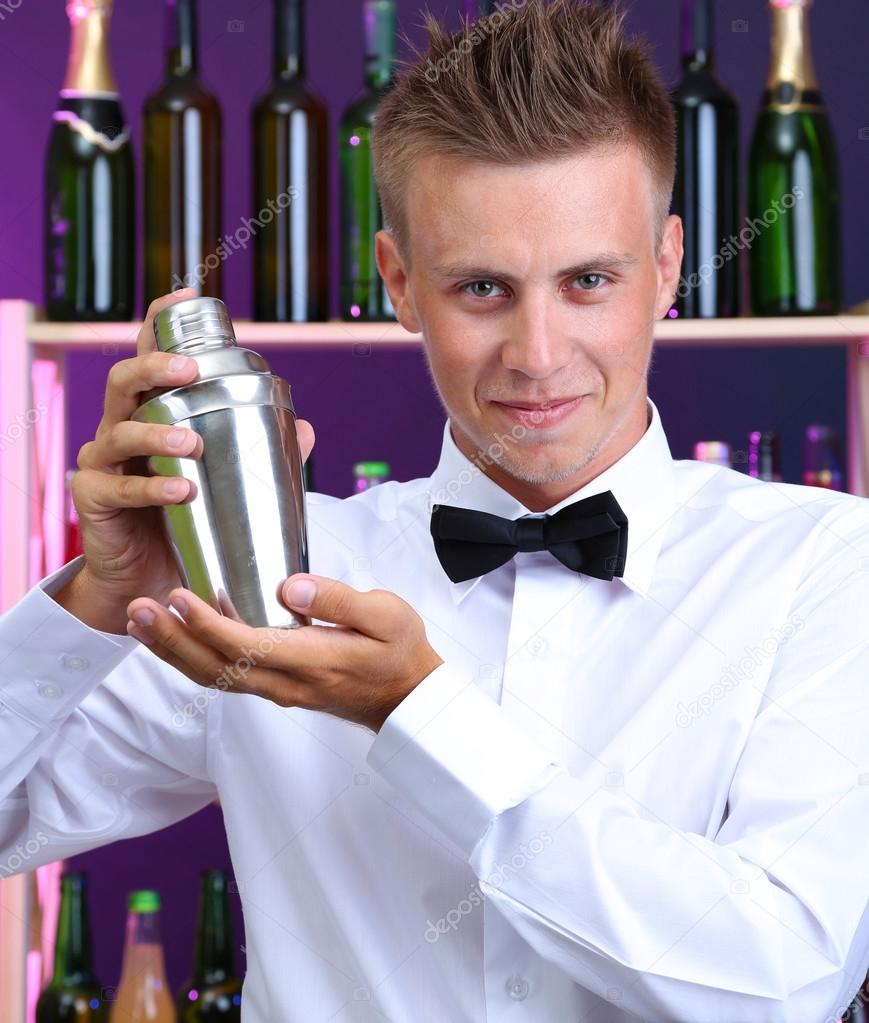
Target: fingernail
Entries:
(143, 616)
(142, 635)
(175, 438)
(180, 605)
(178, 363)
(301, 593)
(172, 487)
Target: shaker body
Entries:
(243, 531)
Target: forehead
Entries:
(600, 200)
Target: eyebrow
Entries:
(615, 262)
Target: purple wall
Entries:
(381, 405)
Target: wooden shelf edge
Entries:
(746, 331)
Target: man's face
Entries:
(536, 284)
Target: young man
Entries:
(584, 734)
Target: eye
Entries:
(597, 281)
(482, 289)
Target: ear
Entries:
(393, 271)
(669, 265)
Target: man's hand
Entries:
(358, 669)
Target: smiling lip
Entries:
(534, 414)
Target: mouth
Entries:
(535, 414)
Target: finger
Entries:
(95, 492)
(173, 641)
(129, 439)
(305, 433)
(146, 340)
(128, 378)
(375, 613)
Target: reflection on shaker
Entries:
(243, 529)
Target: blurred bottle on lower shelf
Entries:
(368, 474)
(764, 455)
(143, 994)
(73, 995)
(213, 994)
(715, 451)
(822, 462)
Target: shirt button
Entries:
(71, 663)
(49, 691)
(517, 988)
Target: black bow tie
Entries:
(589, 536)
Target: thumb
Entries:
(333, 601)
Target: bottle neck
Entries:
(698, 35)
(89, 69)
(214, 954)
(289, 38)
(379, 17)
(72, 953)
(182, 57)
(791, 64)
(143, 929)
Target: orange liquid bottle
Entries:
(143, 994)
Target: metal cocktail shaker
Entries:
(242, 530)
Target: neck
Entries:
(181, 55)
(540, 497)
(289, 32)
(89, 69)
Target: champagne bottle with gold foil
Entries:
(89, 215)
(182, 126)
(291, 165)
(793, 191)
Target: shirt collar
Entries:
(642, 481)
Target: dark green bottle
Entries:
(793, 191)
(706, 193)
(182, 128)
(89, 214)
(213, 995)
(363, 293)
(73, 994)
(291, 173)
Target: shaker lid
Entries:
(194, 323)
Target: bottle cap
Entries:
(712, 451)
(368, 469)
(196, 323)
(147, 901)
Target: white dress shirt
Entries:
(638, 799)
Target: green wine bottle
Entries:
(793, 192)
(89, 215)
(363, 293)
(213, 995)
(291, 165)
(73, 994)
(182, 126)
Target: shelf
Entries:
(742, 332)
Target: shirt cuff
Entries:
(49, 660)
(454, 753)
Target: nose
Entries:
(534, 344)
